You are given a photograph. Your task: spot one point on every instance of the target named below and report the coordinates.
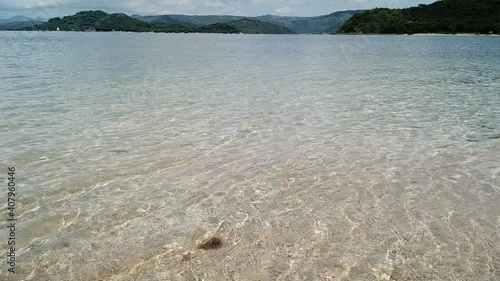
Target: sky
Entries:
(54, 8)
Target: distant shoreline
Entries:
(151, 32)
(314, 34)
(422, 34)
(452, 34)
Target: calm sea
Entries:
(311, 157)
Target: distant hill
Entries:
(101, 21)
(218, 28)
(87, 20)
(198, 20)
(15, 19)
(246, 26)
(81, 21)
(251, 26)
(18, 22)
(180, 27)
(446, 16)
(321, 24)
(268, 24)
(158, 19)
(121, 22)
(19, 25)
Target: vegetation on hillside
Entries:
(19, 19)
(218, 28)
(198, 20)
(121, 22)
(250, 26)
(80, 21)
(268, 24)
(101, 21)
(315, 25)
(321, 24)
(156, 19)
(180, 27)
(19, 25)
(446, 16)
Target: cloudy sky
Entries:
(53, 8)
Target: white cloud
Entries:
(247, 7)
(32, 4)
(284, 10)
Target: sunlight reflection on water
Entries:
(312, 157)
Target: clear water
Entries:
(312, 157)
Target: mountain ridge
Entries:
(315, 25)
(20, 18)
(269, 24)
(445, 16)
(102, 21)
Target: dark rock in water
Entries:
(186, 257)
(210, 244)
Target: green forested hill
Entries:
(121, 22)
(247, 26)
(18, 25)
(80, 21)
(101, 21)
(268, 24)
(250, 26)
(198, 20)
(19, 19)
(157, 19)
(218, 28)
(320, 24)
(446, 16)
(327, 23)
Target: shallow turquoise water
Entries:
(312, 157)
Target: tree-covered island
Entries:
(445, 16)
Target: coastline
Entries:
(421, 34)
(453, 34)
(313, 34)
